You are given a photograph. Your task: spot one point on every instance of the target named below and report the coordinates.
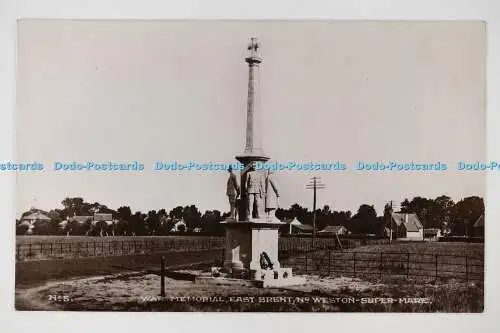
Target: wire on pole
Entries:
(314, 184)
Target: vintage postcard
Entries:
(250, 166)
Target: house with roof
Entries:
(30, 220)
(179, 226)
(478, 227)
(34, 217)
(432, 234)
(99, 221)
(295, 227)
(332, 230)
(103, 217)
(97, 217)
(81, 219)
(406, 226)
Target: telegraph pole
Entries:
(390, 223)
(314, 184)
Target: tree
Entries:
(387, 214)
(281, 214)
(192, 217)
(43, 227)
(21, 228)
(210, 222)
(152, 222)
(423, 207)
(101, 228)
(465, 214)
(324, 216)
(73, 206)
(301, 213)
(442, 212)
(365, 221)
(164, 222)
(341, 218)
(177, 212)
(75, 228)
(124, 213)
(137, 225)
(55, 219)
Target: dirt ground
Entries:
(141, 292)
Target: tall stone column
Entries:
(252, 152)
(253, 64)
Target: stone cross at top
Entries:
(253, 46)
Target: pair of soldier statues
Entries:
(261, 194)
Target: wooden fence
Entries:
(380, 264)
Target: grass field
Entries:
(440, 248)
(33, 273)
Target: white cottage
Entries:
(31, 220)
(296, 227)
(179, 226)
(407, 226)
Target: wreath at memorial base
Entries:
(265, 261)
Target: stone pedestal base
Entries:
(267, 283)
(246, 241)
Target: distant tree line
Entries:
(442, 213)
(125, 222)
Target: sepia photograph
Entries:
(250, 166)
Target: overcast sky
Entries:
(176, 90)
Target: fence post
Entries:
(61, 249)
(436, 267)
(329, 262)
(51, 254)
(354, 263)
(381, 264)
(122, 246)
(407, 264)
(41, 249)
(333, 263)
(70, 250)
(466, 269)
(94, 249)
(306, 261)
(29, 252)
(162, 292)
(18, 254)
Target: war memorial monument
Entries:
(252, 236)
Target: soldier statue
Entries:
(232, 192)
(255, 191)
(271, 196)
